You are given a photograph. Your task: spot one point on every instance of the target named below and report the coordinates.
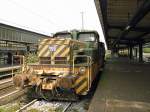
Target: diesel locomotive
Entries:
(69, 61)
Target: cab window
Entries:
(67, 35)
(89, 37)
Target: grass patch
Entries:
(60, 109)
(74, 110)
(146, 50)
(33, 110)
(9, 108)
(47, 109)
(31, 58)
(107, 56)
(86, 106)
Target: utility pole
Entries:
(82, 16)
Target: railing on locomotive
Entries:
(88, 58)
(89, 63)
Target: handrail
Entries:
(89, 60)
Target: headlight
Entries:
(82, 70)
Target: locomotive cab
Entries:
(66, 35)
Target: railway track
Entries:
(5, 83)
(27, 105)
(6, 75)
(54, 106)
(64, 109)
(8, 92)
(67, 106)
(6, 71)
(13, 95)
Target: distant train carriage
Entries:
(69, 61)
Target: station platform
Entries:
(123, 87)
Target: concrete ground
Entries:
(124, 87)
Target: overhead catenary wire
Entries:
(49, 21)
(31, 11)
(82, 16)
(21, 26)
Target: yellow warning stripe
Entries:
(48, 42)
(44, 42)
(44, 48)
(79, 89)
(84, 91)
(65, 52)
(68, 57)
(80, 78)
(57, 51)
(61, 47)
(47, 54)
(62, 51)
(77, 85)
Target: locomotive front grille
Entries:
(45, 60)
(61, 60)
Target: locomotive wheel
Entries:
(49, 95)
(45, 94)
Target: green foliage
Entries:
(2, 109)
(146, 50)
(33, 110)
(74, 110)
(31, 58)
(107, 56)
(86, 106)
(48, 109)
(59, 109)
(9, 108)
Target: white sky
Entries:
(49, 16)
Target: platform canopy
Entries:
(125, 22)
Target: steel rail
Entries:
(66, 108)
(6, 84)
(12, 96)
(27, 105)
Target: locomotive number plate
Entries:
(52, 48)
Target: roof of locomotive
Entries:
(77, 31)
(47, 41)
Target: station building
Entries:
(15, 41)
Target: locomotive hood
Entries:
(57, 49)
